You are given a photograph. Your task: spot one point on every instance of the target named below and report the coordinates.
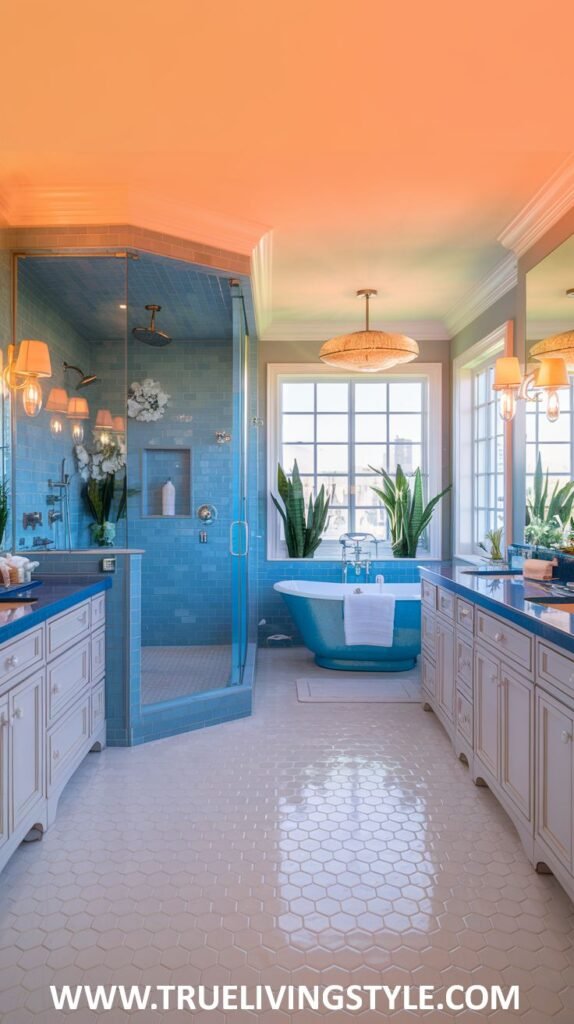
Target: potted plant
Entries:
(304, 529)
(495, 539)
(407, 512)
(4, 509)
(99, 468)
(546, 515)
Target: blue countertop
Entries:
(52, 597)
(508, 597)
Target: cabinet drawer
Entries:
(428, 677)
(62, 630)
(445, 603)
(464, 717)
(428, 633)
(464, 614)
(98, 610)
(67, 743)
(67, 676)
(98, 655)
(504, 640)
(428, 594)
(464, 667)
(554, 667)
(98, 705)
(17, 656)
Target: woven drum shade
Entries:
(369, 351)
(558, 346)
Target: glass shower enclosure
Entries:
(188, 441)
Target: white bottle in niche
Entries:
(168, 498)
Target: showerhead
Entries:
(85, 378)
(150, 335)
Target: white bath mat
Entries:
(361, 688)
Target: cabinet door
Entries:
(4, 725)
(554, 731)
(486, 711)
(445, 669)
(27, 747)
(428, 633)
(517, 740)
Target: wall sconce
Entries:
(57, 403)
(222, 437)
(32, 363)
(78, 410)
(104, 425)
(549, 377)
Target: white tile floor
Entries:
(312, 843)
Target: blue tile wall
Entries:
(186, 585)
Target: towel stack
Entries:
(16, 569)
(538, 568)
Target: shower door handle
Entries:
(239, 554)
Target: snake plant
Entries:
(407, 512)
(546, 517)
(303, 530)
(4, 508)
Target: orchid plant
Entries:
(98, 469)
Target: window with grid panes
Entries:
(554, 442)
(488, 455)
(337, 429)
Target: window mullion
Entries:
(351, 461)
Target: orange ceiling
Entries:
(384, 144)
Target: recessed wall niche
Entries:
(159, 466)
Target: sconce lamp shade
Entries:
(552, 374)
(78, 409)
(507, 373)
(33, 359)
(104, 419)
(558, 346)
(119, 425)
(57, 400)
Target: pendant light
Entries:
(558, 346)
(368, 351)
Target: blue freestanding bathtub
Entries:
(317, 609)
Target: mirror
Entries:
(77, 306)
(550, 444)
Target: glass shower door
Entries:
(239, 529)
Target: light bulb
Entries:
(32, 397)
(507, 406)
(77, 433)
(552, 406)
(56, 426)
(104, 437)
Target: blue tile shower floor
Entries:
(170, 672)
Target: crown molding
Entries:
(540, 213)
(321, 330)
(497, 283)
(261, 282)
(30, 206)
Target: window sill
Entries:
(422, 557)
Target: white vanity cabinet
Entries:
(52, 712)
(513, 718)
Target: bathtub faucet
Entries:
(357, 553)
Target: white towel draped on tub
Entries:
(369, 620)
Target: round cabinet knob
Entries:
(56, 755)
(498, 637)
(18, 713)
(12, 661)
(464, 613)
(55, 688)
(565, 736)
